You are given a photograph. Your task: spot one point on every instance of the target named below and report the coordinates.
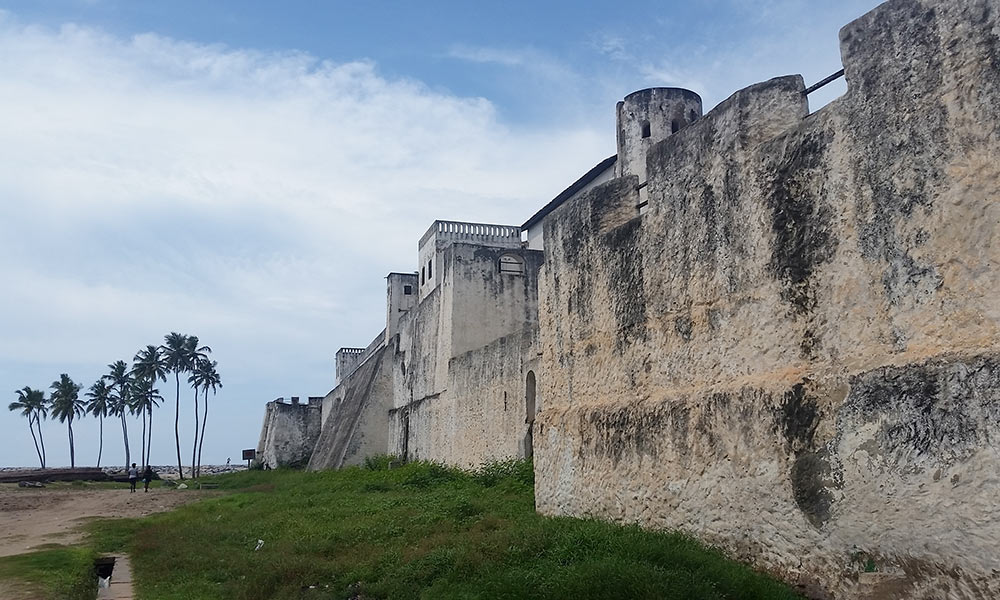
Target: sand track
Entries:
(31, 517)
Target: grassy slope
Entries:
(418, 531)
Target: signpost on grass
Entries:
(249, 455)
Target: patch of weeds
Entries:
(60, 572)
(380, 462)
(493, 472)
(428, 474)
(377, 486)
(464, 510)
(111, 535)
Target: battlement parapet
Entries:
(294, 401)
(349, 359)
(505, 236)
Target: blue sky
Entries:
(249, 172)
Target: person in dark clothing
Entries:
(133, 476)
(147, 476)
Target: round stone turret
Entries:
(649, 116)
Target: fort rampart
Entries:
(794, 352)
(774, 329)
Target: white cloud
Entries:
(613, 46)
(553, 72)
(255, 199)
(478, 54)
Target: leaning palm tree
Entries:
(149, 364)
(66, 406)
(119, 378)
(181, 352)
(136, 407)
(214, 382)
(99, 406)
(206, 377)
(41, 413)
(174, 348)
(31, 403)
(195, 355)
(145, 397)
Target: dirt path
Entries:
(31, 517)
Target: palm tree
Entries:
(66, 406)
(100, 407)
(145, 397)
(41, 413)
(120, 379)
(150, 364)
(207, 377)
(181, 352)
(31, 403)
(195, 355)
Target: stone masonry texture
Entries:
(794, 352)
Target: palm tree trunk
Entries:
(41, 440)
(194, 449)
(204, 421)
(142, 458)
(177, 421)
(149, 438)
(31, 420)
(125, 439)
(100, 447)
(72, 454)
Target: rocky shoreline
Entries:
(14, 474)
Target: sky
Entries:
(249, 172)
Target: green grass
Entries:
(60, 572)
(419, 531)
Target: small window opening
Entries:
(645, 129)
(430, 268)
(423, 278)
(530, 408)
(511, 264)
(675, 126)
(693, 115)
(529, 397)
(407, 290)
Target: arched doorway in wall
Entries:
(529, 413)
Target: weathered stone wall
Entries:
(288, 434)
(449, 385)
(794, 353)
(355, 427)
(462, 358)
(481, 416)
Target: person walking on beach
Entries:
(147, 476)
(133, 476)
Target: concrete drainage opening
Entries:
(103, 566)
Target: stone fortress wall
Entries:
(290, 431)
(445, 380)
(774, 330)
